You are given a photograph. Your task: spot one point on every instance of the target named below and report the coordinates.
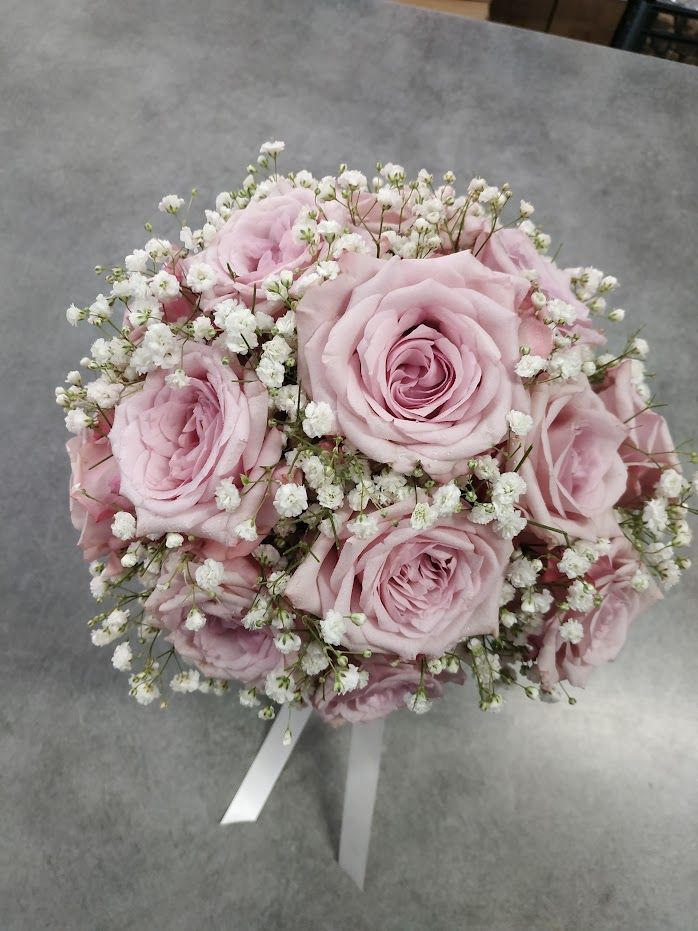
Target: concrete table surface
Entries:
(540, 818)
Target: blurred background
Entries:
(664, 29)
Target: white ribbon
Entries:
(266, 768)
(359, 794)
(360, 797)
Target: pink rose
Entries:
(174, 446)
(605, 627)
(257, 242)
(416, 356)
(574, 474)
(94, 493)
(388, 687)
(511, 251)
(222, 648)
(422, 591)
(648, 446)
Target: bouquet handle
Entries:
(359, 795)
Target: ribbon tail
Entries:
(266, 768)
(360, 797)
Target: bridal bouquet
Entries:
(353, 439)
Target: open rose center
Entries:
(175, 435)
(428, 377)
(575, 468)
(418, 591)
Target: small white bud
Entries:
(195, 619)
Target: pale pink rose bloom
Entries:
(574, 474)
(422, 591)
(258, 242)
(388, 687)
(94, 493)
(416, 356)
(174, 446)
(648, 446)
(605, 627)
(512, 252)
(223, 648)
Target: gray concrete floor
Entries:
(541, 818)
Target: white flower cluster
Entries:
(659, 530)
(498, 503)
(569, 356)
